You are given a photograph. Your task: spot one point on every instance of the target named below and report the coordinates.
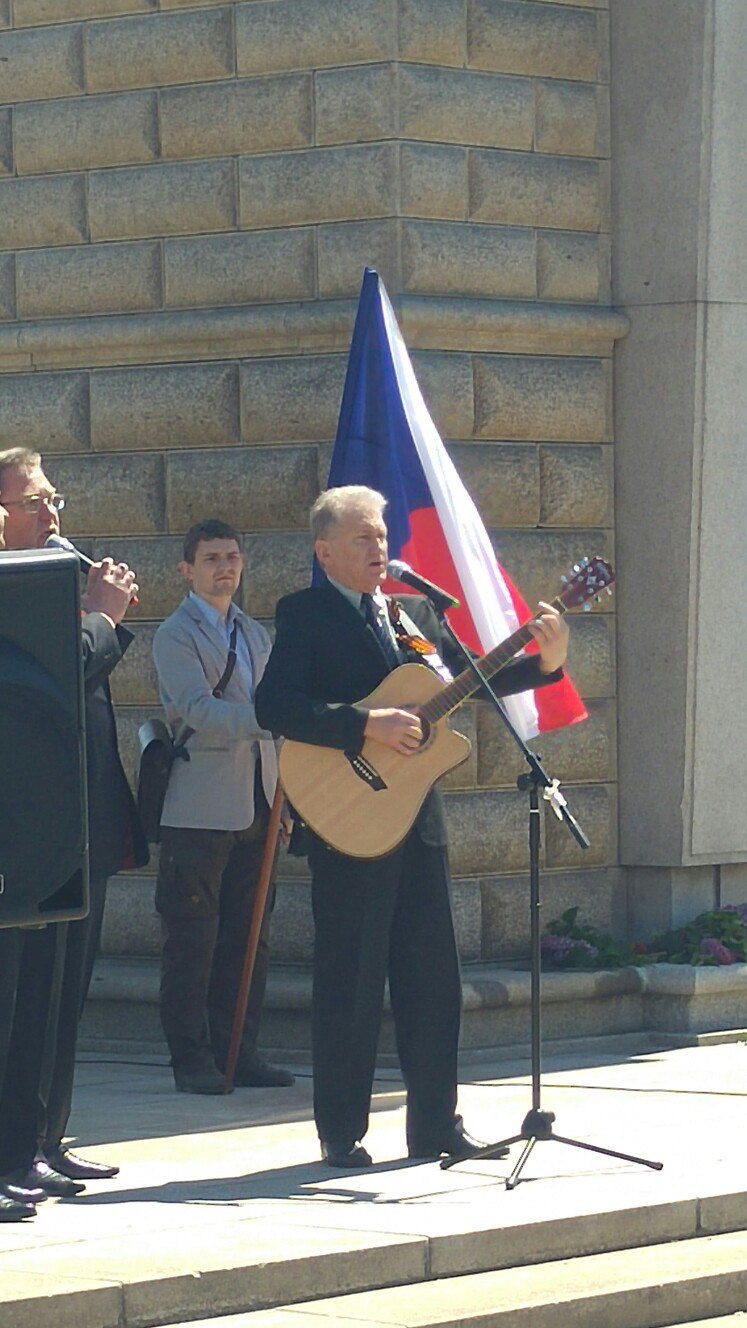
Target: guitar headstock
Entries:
(586, 581)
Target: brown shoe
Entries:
(251, 1072)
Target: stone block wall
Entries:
(189, 191)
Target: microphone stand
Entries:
(537, 1124)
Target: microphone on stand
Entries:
(440, 599)
(60, 542)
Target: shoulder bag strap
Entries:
(218, 690)
(221, 686)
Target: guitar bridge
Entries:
(365, 771)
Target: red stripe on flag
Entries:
(560, 704)
(428, 553)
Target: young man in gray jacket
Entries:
(214, 819)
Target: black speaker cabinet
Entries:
(43, 812)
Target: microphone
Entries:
(440, 599)
(59, 542)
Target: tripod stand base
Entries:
(537, 1127)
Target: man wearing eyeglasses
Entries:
(115, 841)
(32, 503)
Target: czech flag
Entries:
(387, 440)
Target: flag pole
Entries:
(252, 943)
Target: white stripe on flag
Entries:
(482, 583)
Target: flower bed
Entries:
(712, 939)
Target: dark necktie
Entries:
(379, 630)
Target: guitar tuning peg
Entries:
(587, 607)
(609, 590)
(564, 580)
(597, 599)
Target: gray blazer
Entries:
(214, 790)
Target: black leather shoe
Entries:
(340, 1155)
(77, 1168)
(207, 1080)
(46, 1178)
(13, 1211)
(22, 1194)
(457, 1143)
(256, 1073)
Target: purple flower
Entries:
(558, 950)
(717, 950)
(555, 949)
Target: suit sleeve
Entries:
(103, 647)
(186, 692)
(285, 700)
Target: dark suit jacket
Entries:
(116, 839)
(326, 658)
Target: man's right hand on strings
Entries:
(398, 729)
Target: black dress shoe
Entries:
(22, 1194)
(207, 1080)
(457, 1143)
(46, 1178)
(13, 1211)
(342, 1155)
(77, 1168)
(251, 1072)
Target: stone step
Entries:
(723, 1321)
(298, 1318)
(132, 927)
(672, 1003)
(646, 1287)
(122, 1012)
(585, 1257)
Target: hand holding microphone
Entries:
(111, 587)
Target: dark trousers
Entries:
(81, 947)
(207, 884)
(29, 960)
(373, 918)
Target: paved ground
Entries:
(183, 1156)
(194, 1167)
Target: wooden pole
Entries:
(252, 943)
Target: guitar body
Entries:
(365, 805)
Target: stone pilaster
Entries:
(680, 190)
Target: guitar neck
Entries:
(466, 683)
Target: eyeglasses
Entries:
(34, 502)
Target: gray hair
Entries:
(18, 458)
(332, 505)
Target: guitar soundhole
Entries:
(427, 734)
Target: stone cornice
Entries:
(509, 326)
(249, 331)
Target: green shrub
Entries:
(715, 938)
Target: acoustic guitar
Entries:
(365, 803)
